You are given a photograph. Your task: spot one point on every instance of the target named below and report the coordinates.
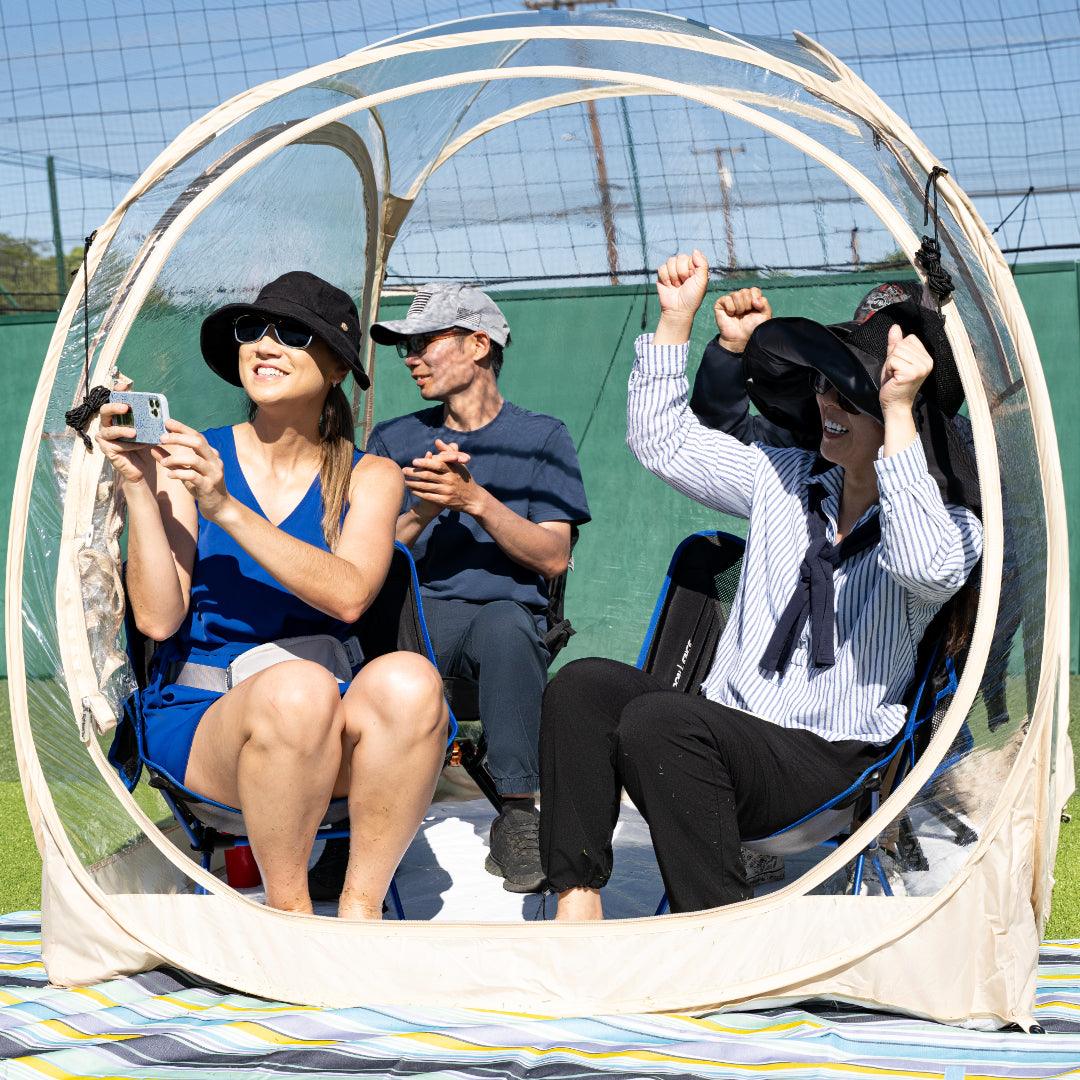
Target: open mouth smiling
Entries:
(268, 371)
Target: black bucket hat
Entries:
(325, 309)
(782, 351)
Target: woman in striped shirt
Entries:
(802, 695)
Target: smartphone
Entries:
(147, 415)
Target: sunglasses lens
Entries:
(249, 328)
(293, 334)
(820, 385)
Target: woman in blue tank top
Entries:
(279, 528)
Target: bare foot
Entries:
(300, 905)
(579, 905)
(356, 907)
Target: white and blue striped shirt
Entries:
(885, 597)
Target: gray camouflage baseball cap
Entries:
(442, 305)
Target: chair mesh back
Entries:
(392, 622)
(704, 577)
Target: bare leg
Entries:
(579, 905)
(394, 745)
(272, 746)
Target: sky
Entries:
(992, 86)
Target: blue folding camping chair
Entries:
(689, 616)
(394, 621)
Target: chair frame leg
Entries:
(395, 899)
(964, 834)
(472, 761)
(909, 848)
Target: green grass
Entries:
(1065, 910)
(20, 867)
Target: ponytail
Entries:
(337, 432)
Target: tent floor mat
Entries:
(166, 1024)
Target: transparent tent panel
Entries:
(490, 215)
(676, 172)
(236, 246)
(443, 238)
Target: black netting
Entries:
(92, 96)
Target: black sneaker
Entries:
(761, 868)
(514, 854)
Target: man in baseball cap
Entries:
(444, 307)
(494, 492)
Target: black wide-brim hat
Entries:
(326, 310)
(781, 353)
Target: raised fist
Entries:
(738, 315)
(681, 284)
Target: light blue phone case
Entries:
(148, 414)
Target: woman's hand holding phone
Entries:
(185, 455)
(132, 461)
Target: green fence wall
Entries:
(571, 354)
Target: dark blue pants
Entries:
(498, 645)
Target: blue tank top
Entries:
(235, 602)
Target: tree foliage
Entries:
(28, 274)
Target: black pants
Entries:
(498, 645)
(703, 775)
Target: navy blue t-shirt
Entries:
(525, 460)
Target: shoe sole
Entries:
(532, 886)
(765, 879)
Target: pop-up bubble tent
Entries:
(476, 149)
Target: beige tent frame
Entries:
(129, 925)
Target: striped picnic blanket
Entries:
(165, 1024)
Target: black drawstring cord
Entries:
(928, 257)
(1023, 199)
(1023, 221)
(80, 416)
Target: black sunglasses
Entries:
(821, 385)
(415, 344)
(292, 333)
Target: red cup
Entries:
(241, 869)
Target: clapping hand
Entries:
(443, 481)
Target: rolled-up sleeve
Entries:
(927, 545)
(668, 439)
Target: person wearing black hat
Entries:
(852, 548)
(251, 552)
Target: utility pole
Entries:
(607, 211)
(726, 183)
(855, 246)
(58, 240)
